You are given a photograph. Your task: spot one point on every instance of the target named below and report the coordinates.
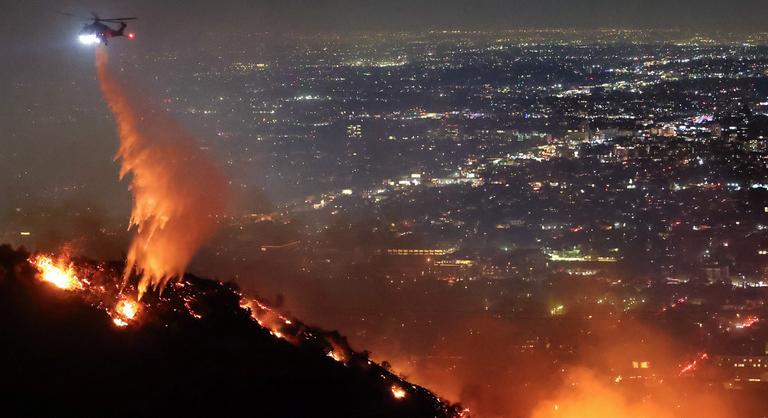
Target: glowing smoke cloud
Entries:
(587, 395)
(178, 193)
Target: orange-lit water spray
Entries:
(178, 193)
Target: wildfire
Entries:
(694, 364)
(398, 392)
(336, 356)
(125, 311)
(61, 273)
(268, 318)
(747, 322)
(100, 287)
(58, 273)
(675, 304)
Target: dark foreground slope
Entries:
(61, 356)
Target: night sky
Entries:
(45, 73)
(22, 18)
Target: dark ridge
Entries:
(61, 355)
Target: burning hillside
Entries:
(87, 339)
(74, 344)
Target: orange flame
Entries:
(338, 352)
(178, 193)
(337, 355)
(58, 273)
(125, 312)
(747, 322)
(398, 392)
(692, 366)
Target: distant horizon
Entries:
(342, 16)
(542, 29)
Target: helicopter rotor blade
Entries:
(118, 19)
(75, 16)
(95, 17)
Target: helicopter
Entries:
(99, 31)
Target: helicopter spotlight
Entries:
(98, 30)
(88, 39)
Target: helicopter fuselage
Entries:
(102, 31)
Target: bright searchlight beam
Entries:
(88, 39)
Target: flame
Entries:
(125, 312)
(338, 356)
(61, 273)
(101, 290)
(58, 273)
(270, 319)
(692, 366)
(398, 392)
(338, 352)
(747, 322)
(178, 193)
(127, 308)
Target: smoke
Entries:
(480, 359)
(78, 223)
(178, 192)
(590, 396)
(600, 383)
(587, 394)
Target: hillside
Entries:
(194, 351)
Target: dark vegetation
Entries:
(62, 356)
